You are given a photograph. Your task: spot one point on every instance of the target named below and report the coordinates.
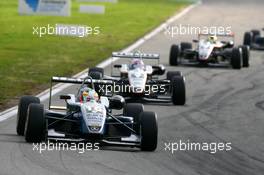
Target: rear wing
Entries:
(136, 55)
(223, 36)
(217, 34)
(73, 81)
(80, 81)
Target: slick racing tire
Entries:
(134, 110)
(35, 124)
(236, 58)
(24, 102)
(149, 131)
(255, 33)
(245, 55)
(178, 95)
(171, 74)
(174, 55)
(259, 40)
(248, 38)
(96, 73)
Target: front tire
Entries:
(35, 124)
(24, 102)
(174, 55)
(96, 73)
(247, 38)
(245, 55)
(178, 90)
(171, 74)
(259, 40)
(236, 58)
(134, 110)
(149, 131)
(255, 34)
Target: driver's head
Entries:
(212, 38)
(88, 94)
(137, 63)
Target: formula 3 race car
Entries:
(210, 50)
(87, 117)
(139, 82)
(254, 39)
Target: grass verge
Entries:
(27, 61)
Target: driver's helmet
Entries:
(212, 39)
(87, 94)
(137, 63)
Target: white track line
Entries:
(60, 87)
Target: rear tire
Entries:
(236, 58)
(174, 55)
(24, 102)
(35, 123)
(134, 110)
(259, 40)
(149, 131)
(255, 33)
(178, 90)
(96, 73)
(247, 38)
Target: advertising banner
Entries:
(45, 7)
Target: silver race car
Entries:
(137, 81)
(87, 117)
(210, 50)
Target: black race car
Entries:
(254, 39)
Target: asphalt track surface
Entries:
(223, 105)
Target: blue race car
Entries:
(87, 117)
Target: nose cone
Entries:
(137, 80)
(93, 118)
(137, 89)
(205, 50)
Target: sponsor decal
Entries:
(45, 7)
